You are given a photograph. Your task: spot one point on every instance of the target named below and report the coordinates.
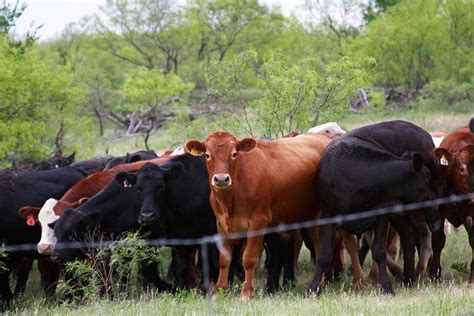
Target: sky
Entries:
(54, 15)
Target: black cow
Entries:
(114, 211)
(374, 166)
(129, 158)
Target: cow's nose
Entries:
(45, 249)
(146, 217)
(221, 180)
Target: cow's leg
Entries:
(470, 230)
(392, 240)
(273, 262)
(22, 272)
(183, 255)
(438, 241)
(426, 250)
(297, 245)
(6, 294)
(311, 240)
(49, 275)
(350, 242)
(364, 249)
(250, 260)
(379, 253)
(224, 264)
(324, 256)
(288, 262)
(236, 268)
(151, 275)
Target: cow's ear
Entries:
(71, 157)
(195, 147)
(444, 156)
(471, 125)
(416, 162)
(126, 179)
(246, 145)
(27, 211)
(174, 171)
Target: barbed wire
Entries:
(219, 238)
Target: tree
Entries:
(294, 95)
(8, 15)
(36, 99)
(150, 100)
(221, 24)
(405, 41)
(375, 7)
(148, 33)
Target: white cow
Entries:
(331, 128)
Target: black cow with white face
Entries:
(375, 166)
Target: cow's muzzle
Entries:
(146, 218)
(45, 249)
(221, 180)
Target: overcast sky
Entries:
(54, 15)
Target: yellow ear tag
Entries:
(444, 161)
(195, 152)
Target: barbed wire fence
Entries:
(218, 239)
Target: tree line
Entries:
(140, 66)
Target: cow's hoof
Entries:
(214, 297)
(388, 291)
(244, 297)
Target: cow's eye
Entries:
(208, 156)
(234, 155)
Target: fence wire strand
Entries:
(218, 239)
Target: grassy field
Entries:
(452, 296)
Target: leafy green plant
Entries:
(461, 267)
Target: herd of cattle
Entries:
(227, 185)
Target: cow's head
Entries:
(58, 160)
(459, 167)
(417, 188)
(222, 151)
(46, 216)
(73, 225)
(151, 182)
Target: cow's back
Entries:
(31, 188)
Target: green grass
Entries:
(452, 296)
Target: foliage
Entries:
(35, 97)
(9, 13)
(294, 96)
(109, 272)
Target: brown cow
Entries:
(456, 155)
(256, 184)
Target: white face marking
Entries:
(443, 161)
(330, 128)
(47, 216)
(437, 141)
